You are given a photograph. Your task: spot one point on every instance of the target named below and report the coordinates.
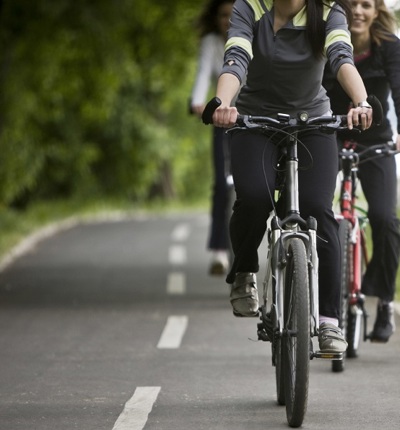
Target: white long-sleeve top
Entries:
(210, 61)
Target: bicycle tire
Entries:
(355, 312)
(231, 197)
(296, 332)
(344, 233)
(279, 374)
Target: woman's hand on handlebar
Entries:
(225, 116)
(219, 114)
(219, 110)
(398, 142)
(359, 116)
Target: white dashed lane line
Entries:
(180, 233)
(176, 283)
(177, 255)
(173, 332)
(137, 409)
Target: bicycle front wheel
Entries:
(296, 332)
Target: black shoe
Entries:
(384, 325)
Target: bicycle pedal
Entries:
(328, 355)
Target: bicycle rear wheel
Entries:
(345, 228)
(296, 332)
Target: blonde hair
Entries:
(384, 25)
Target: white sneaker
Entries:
(219, 263)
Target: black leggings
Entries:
(218, 238)
(379, 183)
(253, 161)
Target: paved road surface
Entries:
(116, 325)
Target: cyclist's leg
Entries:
(379, 183)
(218, 239)
(317, 182)
(252, 158)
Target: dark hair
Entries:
(207, 22)
(316, 24)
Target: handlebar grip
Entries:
(376, 108)
(210, 109)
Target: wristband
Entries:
(364, 104)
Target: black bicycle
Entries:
(289, 313)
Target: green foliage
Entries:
(93, 100)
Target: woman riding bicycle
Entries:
(377, 58)
(281, 48)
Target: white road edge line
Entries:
(176, 283)
(136, 411)
(173, 332)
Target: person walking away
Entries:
(377, 58)
(213, 25)
(280, 48)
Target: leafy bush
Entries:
(93, 99)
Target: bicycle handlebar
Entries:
(327, 123)
(210, 109)
(381, 150)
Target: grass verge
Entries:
(16, 225)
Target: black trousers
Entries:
(253, 162)
(218, 237)
(379, 183)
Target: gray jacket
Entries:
(283, 75)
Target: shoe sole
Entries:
(379, 340)
(331, 351)
(374, 339)
(238, 315)
(217, 270)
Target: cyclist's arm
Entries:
(351, 82)
(340, 54)
(238, 54)
(227, 88)
(207, 58)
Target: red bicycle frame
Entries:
(349, 211)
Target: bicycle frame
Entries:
(292, 226)
(349, 211)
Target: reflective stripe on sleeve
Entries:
(337, 36)
(241, 43)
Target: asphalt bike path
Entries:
(116, 325)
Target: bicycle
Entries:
(289, 313)
(353, 222)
